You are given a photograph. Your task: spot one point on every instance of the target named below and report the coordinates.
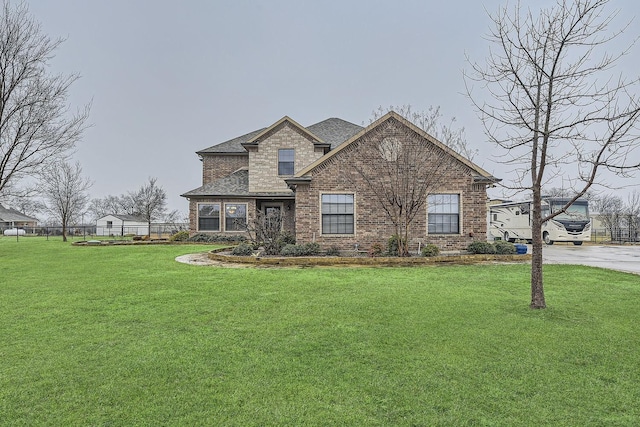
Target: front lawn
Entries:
(124, 335)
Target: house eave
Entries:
(486, 180)
(209, 153)
(293, 182)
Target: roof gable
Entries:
(286, 119)
(332, 132)
(392, 115)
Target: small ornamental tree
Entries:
(552, 103)
(401, 166)
(266, 230)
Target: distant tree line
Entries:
(621, 218)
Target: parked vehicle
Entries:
(512, 221)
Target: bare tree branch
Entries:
(65, 193)
(36, 126)
(149, 201)
(554, 106)
(400, 168)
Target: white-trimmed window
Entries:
(109, 224)
(209, 217)
(286, 158)
(337, 214)
(444, 213)
(235, 217)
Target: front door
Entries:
(273, 212)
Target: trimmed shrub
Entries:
(430, 250)
(180, 236)
(243, 249)
(308, 249)
(375, 250)
(311, 248)
(481, 248)
(333, 251)
(393, 245)
(504, 248)
(285, 239)
(292, 250)
(216, 238)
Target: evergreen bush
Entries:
(481, 248)
(180, 236)
(430, 250)
(505, 248)
(243, 249)
(333, 251)
(393, 245)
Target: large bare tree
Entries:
(36, 126)
(149, 201)
(401, 168)
(64, 190)
(553, 104)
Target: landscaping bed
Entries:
(224, 255)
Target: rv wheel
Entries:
(506, 237)
(546, 239)
(577, 243)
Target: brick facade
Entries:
(337, 174)
(215, 167)
(371, 223)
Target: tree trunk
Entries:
(537, 289)
(64, 232)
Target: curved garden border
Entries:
(218, 255)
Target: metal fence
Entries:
(87, 231)
(620, 235)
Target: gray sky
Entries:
(169, 78)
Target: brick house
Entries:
(305, 173)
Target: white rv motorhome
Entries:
(512, 221)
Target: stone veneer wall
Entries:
(215, 167)
(371, 223)
(263, 160)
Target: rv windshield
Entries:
(576, 212)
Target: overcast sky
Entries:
(169, 78)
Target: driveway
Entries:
(622, 258)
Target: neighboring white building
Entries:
(121, 225)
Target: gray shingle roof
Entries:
(333, 131)
(231, 146)
(234, 185)
(12, 215)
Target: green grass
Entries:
(124, 336)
